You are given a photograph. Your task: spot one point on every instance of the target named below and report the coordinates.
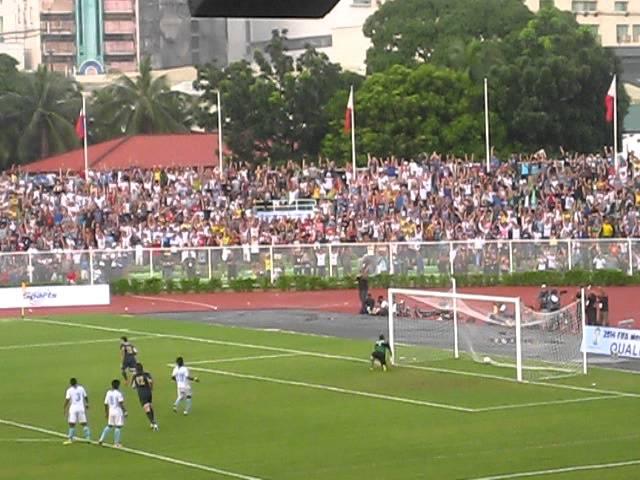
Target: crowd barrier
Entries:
(346, 259)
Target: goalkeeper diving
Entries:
(379, 354)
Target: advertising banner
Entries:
(55, 296)
(616, 342)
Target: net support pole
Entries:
(456, 352)
(569, 254)
(24, 299)
(30, 267)
(630, 247)
(518, 342)
(584, 324)
(272, 277)
(391, 309)
(91, 268)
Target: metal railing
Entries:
(271, 261)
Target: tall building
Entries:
(20, 31)
(171, 38)
(87, 37)
(616, 23)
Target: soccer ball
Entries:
(486, 359)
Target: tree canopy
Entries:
(44, 106)
(405, 111)
(550, 89)
(278, 111)
(411, 32)
(140, 105)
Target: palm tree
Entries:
(44, 106)
(141, 105)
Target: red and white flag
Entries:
(610, 100)
(348, 114)
(80, 133)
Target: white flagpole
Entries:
(84, 137)
(220, 153)
(353, 135)
(615, 122)
(486, 126)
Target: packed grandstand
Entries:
(433, 198)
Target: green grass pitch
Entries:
(281, 406)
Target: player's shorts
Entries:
(145, 396)
(129, 363)
(116, 419)
(77, 415)
(381, 357)
(184, 392)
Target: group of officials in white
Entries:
(76, 404)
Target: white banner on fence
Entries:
(55, 296)
(618, 342)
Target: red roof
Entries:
(143, 151)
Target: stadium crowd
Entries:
(431, 198)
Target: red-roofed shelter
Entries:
(138, 151)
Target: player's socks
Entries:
(72, 432)
(187, 407)
(104, 433)
(116, 436)
(87, 433)
(124, 375)
(151, 416)
(176, 404)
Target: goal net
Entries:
(427, 326)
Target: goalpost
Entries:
(426, 325)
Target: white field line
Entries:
(542, 404)
(28, 440)
(326, 355)
(553, 471)
(244, 359)
(69, 343)
(461, 451)
(172, 300)
(330, 388)
(134, 451)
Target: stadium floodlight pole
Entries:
(220, 152)
(486, 126)
(583, 322)
(456, 352)
(518, 342)
(390, 318)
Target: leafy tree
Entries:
(280, 110)
(9, 128)
(45, 105)
(411, 32)
(246, 106)
(140, 105)
(407, 111)
(550, 90)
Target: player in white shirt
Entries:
(76, 403)
(183, 380)
(115, 412)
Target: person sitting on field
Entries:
(369, 304)
(379, 353)
(381, 308)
